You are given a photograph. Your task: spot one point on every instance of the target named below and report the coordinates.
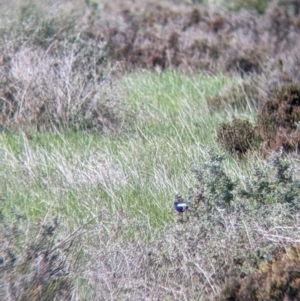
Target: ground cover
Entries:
(53, 173)
(111, 110)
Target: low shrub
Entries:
(277, 280)
(216, 185)
(36, 263)
(237, 137)
(274, 183)
(278, 118)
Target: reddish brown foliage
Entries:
(278, 117)
(152, 34)
(237, 137)
(278, 280)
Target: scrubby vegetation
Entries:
(278, 118)
(223, 238)
(109, 110)
(276, 280)
(52, 77)
(237, 137)
(36, 265)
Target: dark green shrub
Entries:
(216, 185)
(273, 184)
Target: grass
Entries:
(174, 104)
(77, 175)
(172, 90)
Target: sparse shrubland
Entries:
(109, 111)
(37, 262)
(223, 237)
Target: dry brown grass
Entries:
(52, 76)
(64, 89)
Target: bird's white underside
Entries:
(182, 205)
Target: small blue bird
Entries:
(180, 206)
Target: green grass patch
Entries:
(171, 91)
(131, 176)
